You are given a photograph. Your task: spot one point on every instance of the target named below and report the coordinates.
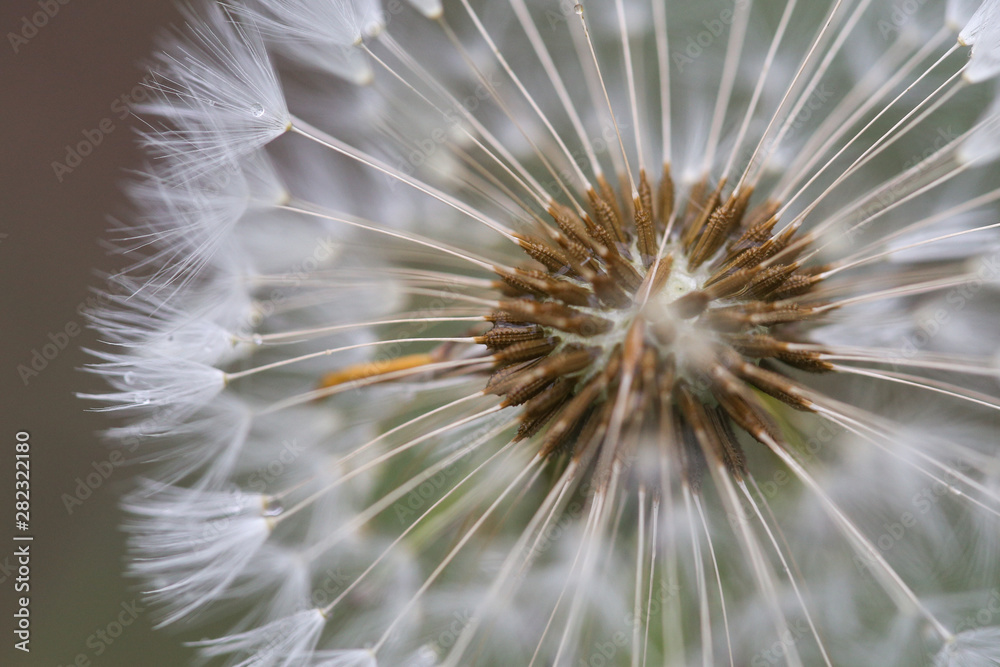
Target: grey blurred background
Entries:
(65, 66)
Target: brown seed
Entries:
(769, 280)
(554, 260)
(606, 216)
(609, 292)
(796, 285)
(623, 271)
(806, 361)
(553, 396)
(754, 313)
(645, 232)
(500, 337)
(690, 305)
(520, 387)
(697, 201)
(539, 283)
(529, 349)
(534, 423)
(761, 213)
(753, 236)
(745, 410)
(609, 195)
(665, 199)
(512, 285)
(753, 253)
(755, 345)
(732, 284)
(571, 416)
(773, 384)
(645, 192)
(732, 451)
(712, 432)
(595, 427)
(569, 222)
(557, 316)
(719, 226)
(691, 454)
(693, 228)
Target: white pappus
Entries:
(522, 332)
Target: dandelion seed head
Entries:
(548, 333)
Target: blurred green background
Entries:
(65, 66)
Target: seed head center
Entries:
(670, 313)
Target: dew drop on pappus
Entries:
(273, 507)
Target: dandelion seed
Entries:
(513, 333)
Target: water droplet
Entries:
(257, 110)
(257, 339)
(272, 507)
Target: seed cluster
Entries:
(677, 321)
